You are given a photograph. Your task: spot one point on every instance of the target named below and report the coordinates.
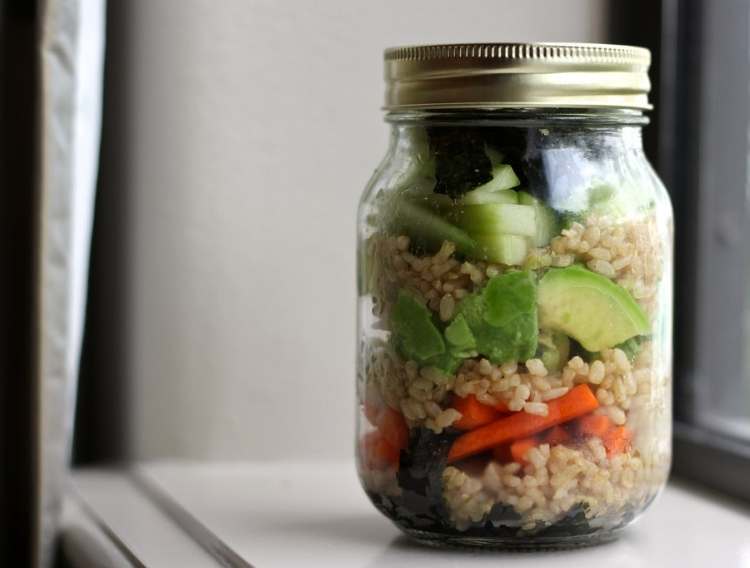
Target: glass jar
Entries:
(515, 298)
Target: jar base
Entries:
(514, 544)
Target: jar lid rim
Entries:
(508, 75)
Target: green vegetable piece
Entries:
(494, 218)
(416, 336)
(503, 317)
(504, 196)
(503, 177)
(631, 347)
(545, 219)
(436, 202)
(508, 296)
(428, 229)
(555, 350)
(588, 307)
(459, 337)
(448, 362)
(505, 249)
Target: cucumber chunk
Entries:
(546, 220)
(503, 178)
(429, 230)
(505, 218)
(502, 196)
(505, 249)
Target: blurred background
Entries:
(211, 316)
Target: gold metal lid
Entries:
(513, 75)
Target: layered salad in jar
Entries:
(514, 368)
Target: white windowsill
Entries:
(315, 514)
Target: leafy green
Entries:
(460, 340)
(503, 318)
(415, 335)
(418, 338)
(509, 296)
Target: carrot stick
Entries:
(376, 452)
(617, 440)
(593, 425)
(577, 402)
(389, 422)
(473, 413)
(393, 428)
(501, 454)
(502, 407)
(555, 435)
(519, 448)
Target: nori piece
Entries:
(461, 163)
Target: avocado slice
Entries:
(414, 332)
(554, 348)
(588, 307)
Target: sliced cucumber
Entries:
(498, 218)
(437, 202)
(546, 220)
(428, 229)
(502, 196)
(505, 249)
(503, 177)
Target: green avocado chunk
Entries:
(417, 338)
(554, 350)
(588, 307)
(502, 317)
(460, 340)
(415, 334)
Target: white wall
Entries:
(248, 130)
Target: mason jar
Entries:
(515, 298)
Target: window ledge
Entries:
(309, 514)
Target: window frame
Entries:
(703, 145)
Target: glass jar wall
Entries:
(514, 349)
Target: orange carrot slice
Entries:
(555, 435)
(393, 428)
(473, 413)
(519, 448)
(501, 454)
(502, 407)
(577, 402)
(617, 440)
(389, 422)
(593, 425)
(372, 412)
(376, 452)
